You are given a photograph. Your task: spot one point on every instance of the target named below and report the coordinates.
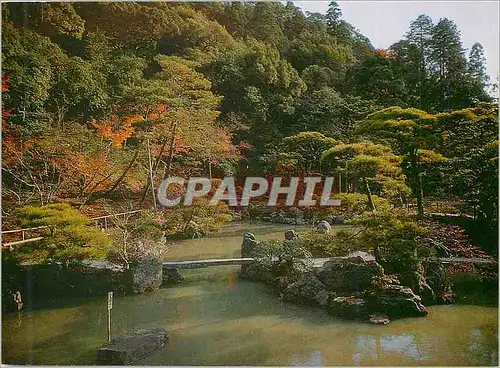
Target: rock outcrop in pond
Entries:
(145, 276)
(127, 349)
(347, 287)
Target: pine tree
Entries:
(448, 64)
(477, 61)
(419, 37)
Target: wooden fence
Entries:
(101, 222)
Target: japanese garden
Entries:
(104, 264)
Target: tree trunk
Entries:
(150, 161)
(369, 194)
(155, 167)
(166, 172)
(122, 176)
(417, 184)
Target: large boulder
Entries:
(248, 245)
(146, 276)
(324, 226)
(127, 349)
(350, 307)
(172, 275)
(349, 274)
(397, 301)
(305, 290)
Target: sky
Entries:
(385, 22)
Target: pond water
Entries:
(213, 318)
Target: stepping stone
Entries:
(127, 349)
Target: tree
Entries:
(411, 133)
(420, 35)
(331, 113)
(30, 62)
(306, 149)
(470, 142)
(369, 163)
(448, 66)
(136, 239)
(477, 71)
(477, 61)
(49, 19)
(333, 15)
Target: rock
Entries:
(290, 235)
(322, 298)
(256, 271)
(338, 220)
(172, 275)
(379, 319)
(18, 300)
(417, 281)
(304, 290)
(364, 255)
(146, 276)
(398, 301)
(350, 307)
(324, 226)
(349, 274)
(424, 290)
(249, 243)
(127, 349)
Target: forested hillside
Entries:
(215, 88)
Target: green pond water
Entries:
(213, 318)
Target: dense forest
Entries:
(95, 94)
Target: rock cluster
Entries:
(343, 286)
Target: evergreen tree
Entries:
(448, 66)
(477, 67)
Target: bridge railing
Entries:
(101, 222)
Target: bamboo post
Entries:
(110, 306)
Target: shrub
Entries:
(396, 239)
(196, 220)
(322, 244)
(69, 238)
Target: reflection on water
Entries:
(213, 318)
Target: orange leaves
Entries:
(159, 112)
(117, 129)
(384, 53)
(5, 83)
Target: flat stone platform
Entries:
(127, 349)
